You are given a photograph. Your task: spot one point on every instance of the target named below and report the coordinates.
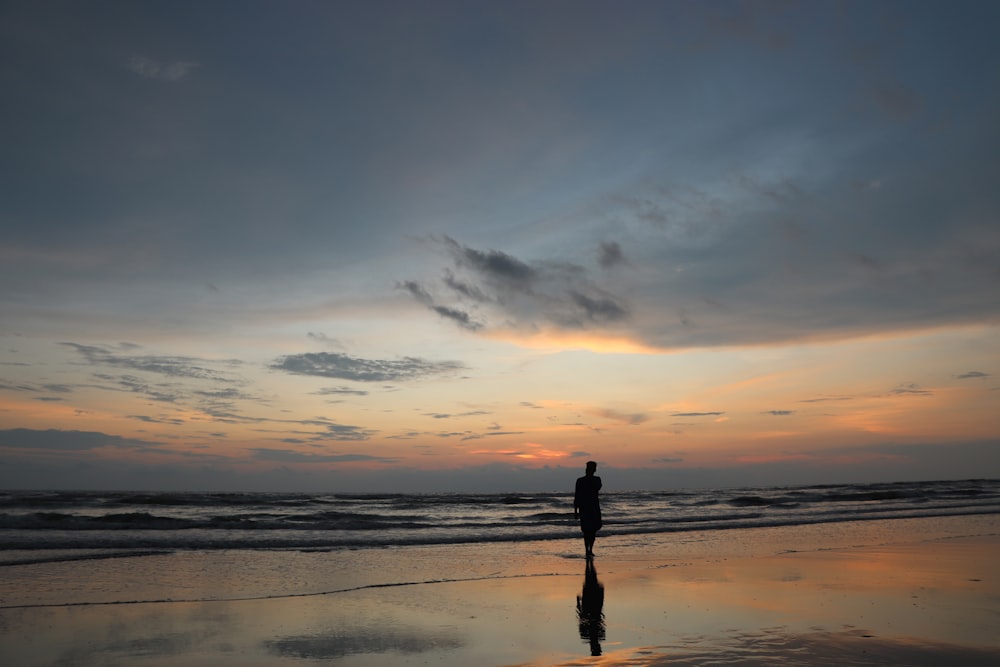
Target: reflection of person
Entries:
(590, 610)
(587, 506)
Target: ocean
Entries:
(37, 526)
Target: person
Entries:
(587, 506)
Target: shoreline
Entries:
(915, 591)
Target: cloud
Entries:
(345, 432)
(156, 420)
(346, 367)
(459, 317)
(321, 337)
(610, 254)
(598, 308)
(447, 415)
(972, 374)
(697, 414)
(491, 434)
(495, 266)
(633, 419)
(289, 456)
(826, 399)
(465, 289)
(911, 389)
(340, 391)
(462, 318)
(173, 366)
(332, 430)
(25, 387)
(148, 68)
(417, 291)
(162, 392)
(753, 255)
(491, 289)
(778, 413)
(23, 438)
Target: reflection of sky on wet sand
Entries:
(935, 594)
(768, 647)
(934, 603)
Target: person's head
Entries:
(591, 467)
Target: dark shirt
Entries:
(587, 501)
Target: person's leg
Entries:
(588, 542)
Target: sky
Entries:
(468, 246)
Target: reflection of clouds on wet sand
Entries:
(364, 640)
(103, 635)
(776, 646)
(216, 633)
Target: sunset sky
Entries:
(394, 246)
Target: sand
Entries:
(907, 592)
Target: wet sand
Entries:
(910, 592)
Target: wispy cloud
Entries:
(346, 367)
(459, 317)
(161, 71)
(826, 399)
(448, 415)
(910, 389)
(610, 254)
(627, 419)
(972, 375)
(174, 421)
(697, 414)
(492, 289)
(33, 388)
(492, 433)
(123, 356)
(163, 392)
(293, 456)
(344, 432)
(340, 391)
(331, 431)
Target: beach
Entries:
(899, 592)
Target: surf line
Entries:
(283, 596)
(42, 560)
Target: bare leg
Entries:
(588, 543)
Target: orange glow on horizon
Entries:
(591, 341)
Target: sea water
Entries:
(43, 525)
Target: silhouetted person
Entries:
(590, 610)
(587, 506)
